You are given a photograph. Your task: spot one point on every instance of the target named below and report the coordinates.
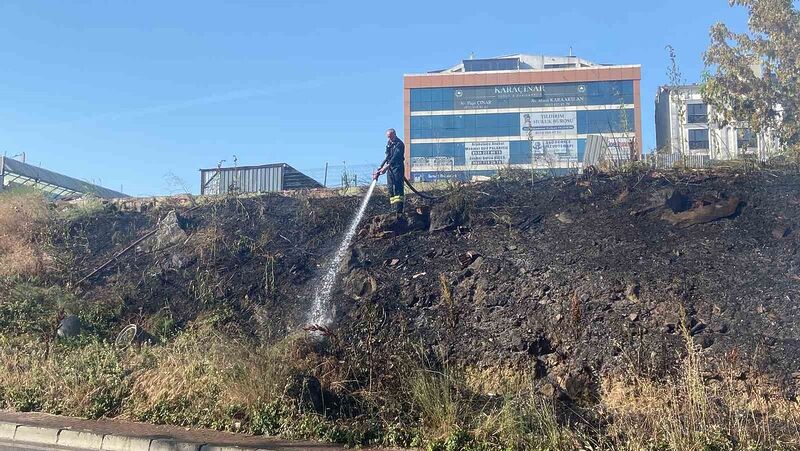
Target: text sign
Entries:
(487, 153)
(555, 149)
(519, 96)
(549, 123)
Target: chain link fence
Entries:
(341, 175)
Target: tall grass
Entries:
(686, 412)
(24, 214)
(206, 378)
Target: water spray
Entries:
(321, 314)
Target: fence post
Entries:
(325, 179)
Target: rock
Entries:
(703, 341)
(697, 328)
(358, 259)
(171, 231)
(581, 386)
(178, 260)
(564, 218)
(448, 216)
(467, 258)
(633, 317)
(69, 327)
(549, 390)
(781, 232)
(539, 369)
(518, 343)
(306, 391)
(360, 284)
(387, 226)
(419, 219)
(551, 360)
(720, 328)
(540, 346)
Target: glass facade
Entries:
(466, 131)
(523, 96)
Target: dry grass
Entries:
(210, 370)
(206, 378)
(687, 412)
(23, 215)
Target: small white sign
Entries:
(423, 163)
(487, 153)
(551, 123)
(620, 148)
(556, 149)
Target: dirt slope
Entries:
(560, 278)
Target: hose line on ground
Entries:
(424, 196)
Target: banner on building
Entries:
(620, 148)
(520, 96)
(491, 153)
(432, 162)
(549, 123)
(565, 150)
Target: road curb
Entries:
(70, 438)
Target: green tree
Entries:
(754, 77)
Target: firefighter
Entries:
(394, 168)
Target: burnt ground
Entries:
(557, 277)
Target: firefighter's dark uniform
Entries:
(395, 156)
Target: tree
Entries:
(754, 77)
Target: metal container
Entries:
(254, 179)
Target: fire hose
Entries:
(377, 174)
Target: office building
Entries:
(517, 111)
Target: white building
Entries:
(687, 126)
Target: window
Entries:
(746, 139)
(697, 113)
(698, 139)
(481, 65)
(559, 66)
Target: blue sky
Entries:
(124, 93)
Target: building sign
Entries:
(565, 150)
(494, 153)
(550, 123)
(519, 96)
(432, 162)
(620, 148)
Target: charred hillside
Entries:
(564, 284)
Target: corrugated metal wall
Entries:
(261, 179)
